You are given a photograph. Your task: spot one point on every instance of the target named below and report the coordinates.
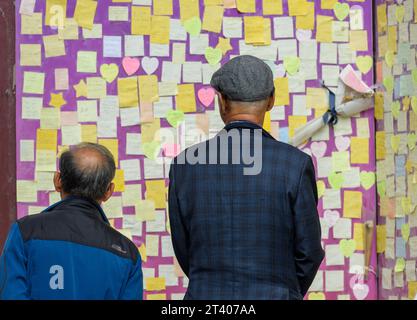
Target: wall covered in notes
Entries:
(396, 153)
(134, 76)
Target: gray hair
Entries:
(88, 181)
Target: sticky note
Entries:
(69, 31)
(185, 99)
(317, 98)
(352, 204)
(26, 191)
(30, 55)
(31, 24)
(119, 181)
(324, 28)
(155, 190)
(55, 13)
(127, 89)
(246, 6)
(85, 12)
(145, 210)
(150, 130)
(89, 133)
(141, 20)
(392, 38)
(189, 9)
(154, 284)
(254, 29)
(381, 12)
(87, 61)
(113, 146)
(295, 122)
(162, 7)
(160, 29)
(381, 235)
(282, 96)
(359, 148)
(298, 7)
(307, 21)
(328, 4)
(148, 88)
(272, 7)
(358, 40)
(96, 88)
(46, 139)
(33, 82)
(54, 47)
(380, 145)
(359, 235)
(212, 21)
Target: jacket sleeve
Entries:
(179, 232)
(134, 286)
(308, 250)
(13, 267)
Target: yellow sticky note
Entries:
(328, 4)
(185, 99)
(148, 88)
(87, 61)
(119, 181)
(392, 38)
(297, 7)
(213, 16)
(295, 122)
(54, 47)
(381, 236)
(352, 204)
(89, 133)
(272, 7)
(359, 235)
(306, 22)
(254, 29)
(160, 29)
(267, 33)
(246, 6)
(189, 9)
(55, 13)
(340, 161)
(33, 82)
(358, 40)
(359, 149)
(380, 145)
(127, 89)
(379, 106)
(381, 12)
(141, 20)
(142, 251)
(96, 88)
(267, 122)
(30, 55)
(162, 7)
(412, 289)
(149, 131)
(46, 139)
(31, 24)
(158, 296)
(324, 28)
(155, 190)
(145, 210)
(282, 96)
(84, 13)
(317, 98)
(154, 284)
(113, 146)
(70, 30)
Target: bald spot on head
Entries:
(88, 159)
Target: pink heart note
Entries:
(318, 149)
(131, 65)
(342, 143)
(206, 96)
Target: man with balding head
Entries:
(70, 251)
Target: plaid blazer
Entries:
(240, 236)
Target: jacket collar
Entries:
(247, 125)
(77, 201)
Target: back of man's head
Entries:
(87, 170)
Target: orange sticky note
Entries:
(352, 204)
(359, 149)
(282, 96)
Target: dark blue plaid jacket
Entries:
(242, 236)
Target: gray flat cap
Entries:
(244, 78)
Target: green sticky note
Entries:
(33, 82)
(87, 61)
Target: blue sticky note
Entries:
(399, 222)
(400, 165)
(112, 46)
(283, 134)
(396, 87)
(406, 85)
(400, 247)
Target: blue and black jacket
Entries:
(69, 251)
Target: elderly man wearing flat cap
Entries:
(239, 234)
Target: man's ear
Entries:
(271, 102)
(57, 182)
(109, 192)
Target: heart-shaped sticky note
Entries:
(331, 217)
(291, 64)
(399, 13)
(213, 55)
(150, 64)
(395, 142)
(336, 180)
(367, 179)
(414, 104)
(399, 265)
(381, 188)
(206, 96)
(321, 187)
(342, 143)
(405, 231)
(395, 109)
(303, 35)
(318, 149)
(109, 72)
(341, 10)
(130, 65)
(411, 140)
(388, 83)
(347, 247)
(389, 58)
(364, 63)
(193, 26)
(414, 76)
(360, 291)
(316, 296)
(151, 149)
(175, 117)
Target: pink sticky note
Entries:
(171, 150)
